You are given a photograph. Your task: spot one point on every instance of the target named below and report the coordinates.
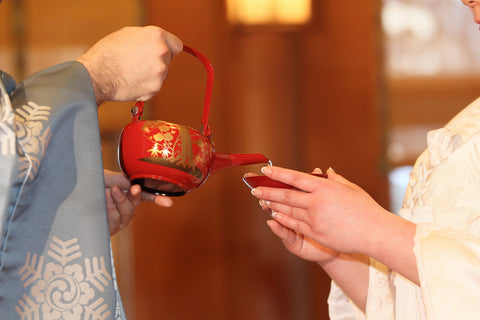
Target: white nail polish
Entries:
(260, 203)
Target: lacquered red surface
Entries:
(168, 152)
(208, 94)
(184, 163)
(264, 181)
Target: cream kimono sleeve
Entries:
(449, 270)
(340, 307)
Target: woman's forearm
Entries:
(350, 273)
(391, 242)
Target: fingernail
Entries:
(260, 203)
(265, 204)
(275, 214)
(331, 169)
(317, 171)
(256, 193)
(266, 170)
(136, 189)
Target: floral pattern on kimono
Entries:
(55, 253)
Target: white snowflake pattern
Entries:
(33, 136)
(7, 132)
(62, 289)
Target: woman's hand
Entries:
(340, 215)
(349, 271)
(297, 243)
(333, 212)
(131, 63)
(123, 199)
(302, 246)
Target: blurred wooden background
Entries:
(308, 97)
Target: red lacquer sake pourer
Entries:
(171, 159)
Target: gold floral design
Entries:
(203, 153)
(62, 289)
(161, 135)
(172, 146)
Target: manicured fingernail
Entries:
(266, 170)
(274, 214)
(331, 169)
(261, 205)
(264, 204)
(257, 193)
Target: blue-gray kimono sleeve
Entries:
(55, 257)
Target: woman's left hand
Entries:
(123, 199)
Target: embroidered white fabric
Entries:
(443, 199)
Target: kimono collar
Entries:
(8, 81)
(445, 141)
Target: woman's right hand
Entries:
(349, 271)
(302, 246)
(298, 244)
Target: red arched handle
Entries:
(208, 95)
(137, 111)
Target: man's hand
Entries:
(131, 63)
(123, 199)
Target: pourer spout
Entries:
(229, 160)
